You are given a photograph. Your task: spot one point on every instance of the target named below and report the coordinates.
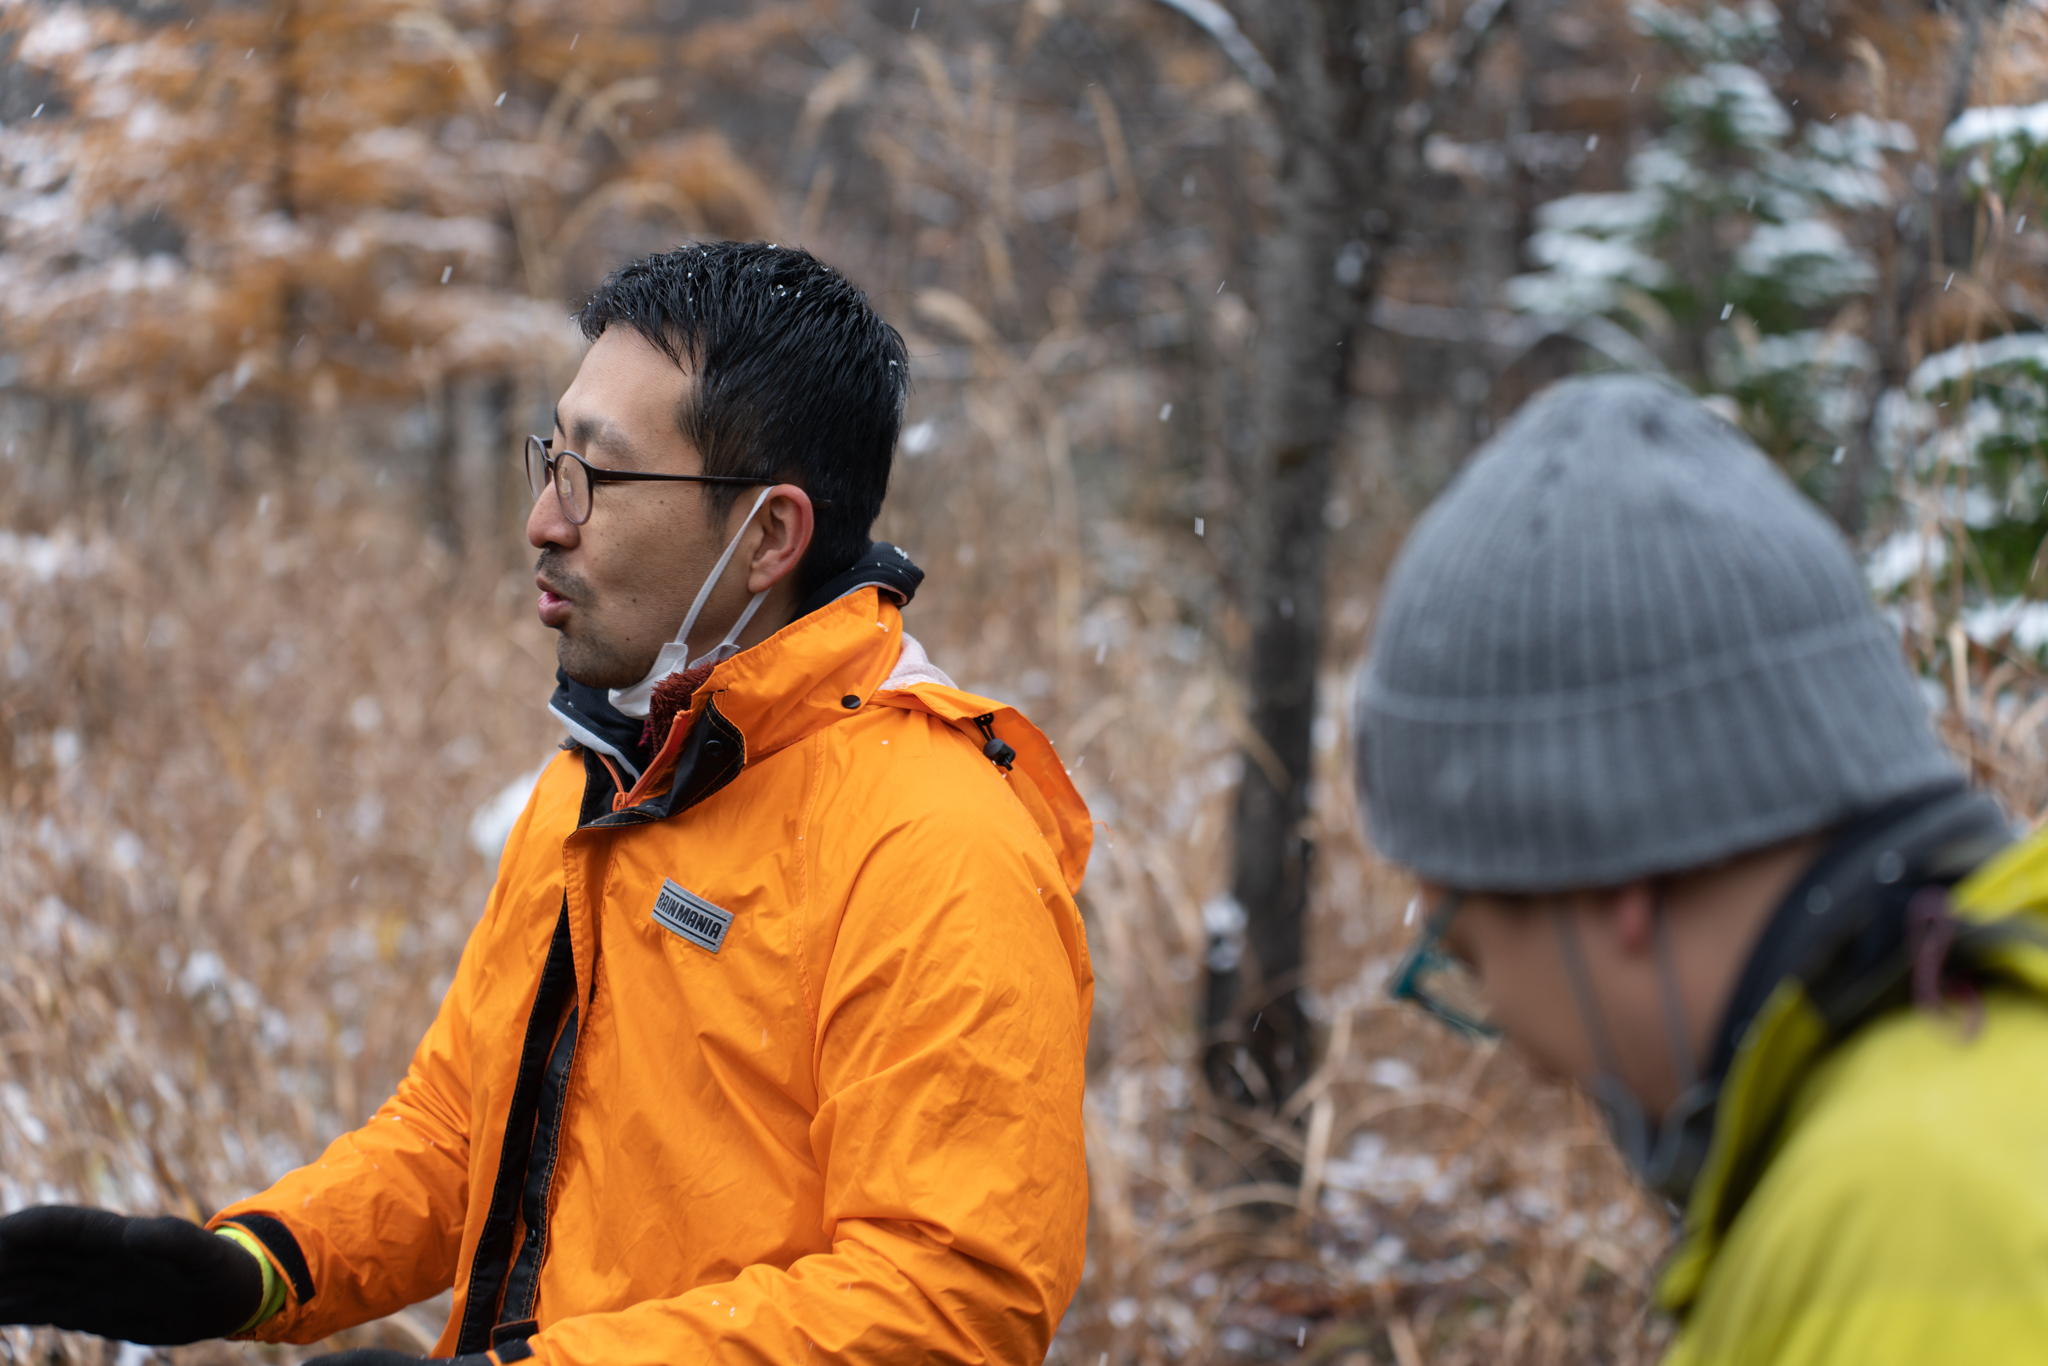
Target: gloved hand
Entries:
(160, 1282)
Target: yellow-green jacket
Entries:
(1902, 1216)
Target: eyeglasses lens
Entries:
(536, 467)
(572, 486)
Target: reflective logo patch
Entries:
(691, 916)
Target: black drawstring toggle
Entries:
(998, 753)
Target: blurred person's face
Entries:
(1512, 947)
(1515, 947)
(618, 586)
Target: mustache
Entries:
(549, 566)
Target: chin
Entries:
(592, 668)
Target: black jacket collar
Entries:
(1842, 927)
(882, 566)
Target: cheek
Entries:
(617, 561)
(644, 567)
(1518, 970)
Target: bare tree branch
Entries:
(1217, 22)
(1454, 68)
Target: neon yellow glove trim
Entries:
(273, 1284)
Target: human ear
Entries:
(1632, 908)
(786, 522)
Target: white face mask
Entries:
(675, 656)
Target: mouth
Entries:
(554, 608)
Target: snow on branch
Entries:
(1958, 363)
(1997, 123)
(2002, 142)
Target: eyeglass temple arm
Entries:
(1401, 986)
(598, 476)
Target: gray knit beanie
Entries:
(1622, 644)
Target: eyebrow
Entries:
(591, 431)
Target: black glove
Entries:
(159, 1282)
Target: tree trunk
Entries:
(438, 496)
(504, 472)
(1339, 65)
(1899, 295)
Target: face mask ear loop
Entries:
(1625, 1118)
(717, 573)
(730, 646)
(1581, 983)
(1675, 1024)
(635, 701)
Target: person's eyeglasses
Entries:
(576, 479)
(1441, 982)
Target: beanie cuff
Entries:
(1646, 776)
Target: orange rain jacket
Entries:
(776, 1058)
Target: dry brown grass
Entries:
(239, 754)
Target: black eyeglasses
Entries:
(1441, 982)
(576, 479)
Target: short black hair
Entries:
(796, 378)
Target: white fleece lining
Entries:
(914, 666)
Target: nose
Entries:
(546, 525)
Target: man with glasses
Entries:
(1685, 837)
(769, 1045)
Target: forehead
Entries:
(624, 401)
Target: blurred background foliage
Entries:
(1205, 301)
